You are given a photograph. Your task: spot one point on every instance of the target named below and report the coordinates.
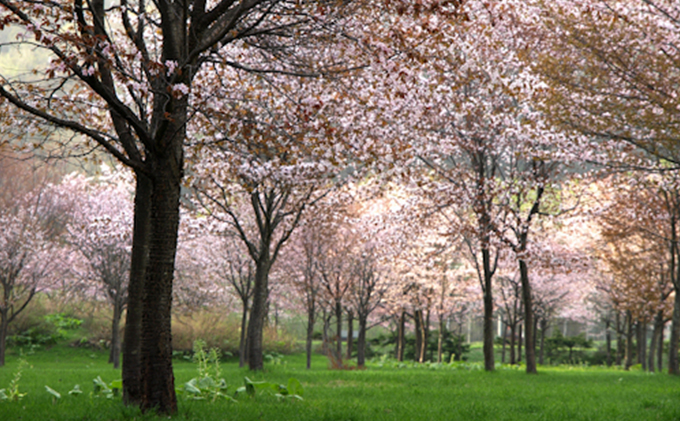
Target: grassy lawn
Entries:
(378, 393)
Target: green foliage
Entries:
(55, 395)
(102, 389)
(567, 349)
(294, 389)
(53, 328)
(459, 391)
(12, 392)
(209, 385)
(454, 347)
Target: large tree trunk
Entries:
(158, 381)
(114, 355)
(132, 363)
(361, 342)
(489, 363)
(530, 348)
(258, 312)
(310, 335)
(350, 333)
(242, 345)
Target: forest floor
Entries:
(384, 391)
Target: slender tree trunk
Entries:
(440, 339)
(608, 336)
(426, 336)
(326, 327)
(489, 363)
(513, 335)
(350, 333)
(418, 319)
(629, 340)
(619, 339)
(530, 348)
(4, 326)
(258, 310)
(114, 355)
(659, 348)
(242, 346)
(338, 329)
(544, 327)
(654, 342)
(361, 341)
(132, 363)
(310, 334)
(673, 364)
(158, 381)
(401, 336)
(642, 344)
(519, 344)
(504, 340)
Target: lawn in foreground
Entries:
(378, 393)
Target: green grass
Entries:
(378, 393)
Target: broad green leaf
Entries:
(53, 392)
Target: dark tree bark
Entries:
(642, 344)
(530, 347)
(673, 363)
(243, 339)
(132, 363)
(350, 333)
(504, 339)
(544, 328)
(440, 339)
(519, 344)
(489, 364)
(361, 341)
(158, 381)
(401, 330)
(258, 311)
(608, 336)
(629, 340)
(310, 334)
(4, 327)
(338, 328)
(619, 339)
(656, 332)
(418, 327)
(114, 355)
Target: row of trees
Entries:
(486, 115)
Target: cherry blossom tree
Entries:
(31, 216)
(123, 78)
(100, 232)
(485, 151)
